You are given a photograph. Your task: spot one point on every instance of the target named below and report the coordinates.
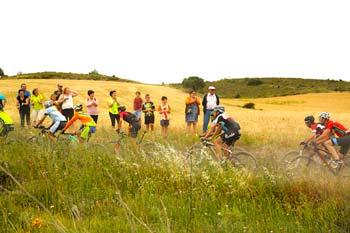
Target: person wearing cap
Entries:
(59, 90)
(112, 103)
(209, 102)
(58, 120)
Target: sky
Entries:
(161, 41)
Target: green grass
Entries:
(90, 190)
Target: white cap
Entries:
(211, 88)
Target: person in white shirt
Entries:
(210, 100)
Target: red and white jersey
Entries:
(164, 111)
(336, 128)
(317, 129)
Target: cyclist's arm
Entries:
(218, 130)
(41, 121)
(324, 136)
(71, 121)
(313, 137)
(210, 131)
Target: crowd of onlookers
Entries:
(31, 107)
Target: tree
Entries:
(94, 72)
(193, 82)
(2, 74)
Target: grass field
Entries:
(52, 188)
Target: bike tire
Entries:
(149, 148)
(301, 166)
(243, 159)
(290, 155)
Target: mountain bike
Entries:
(6, 125)
(238, 159)
(310, 158)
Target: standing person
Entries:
(148, 108)
(59, 90)
(138, 106)
(24, 88)
(192, 111)
(2, 102)
(66, 101)
(23, 107)
(37, 102)
(210, 100)
(164, 111)
(91, 104)
(54, 101)
(112, 103)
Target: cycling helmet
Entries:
(324, 115)
(122, 108)
(78, 107)
(310, 119)
(219, 109)
(48, 104)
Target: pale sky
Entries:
(155, 41)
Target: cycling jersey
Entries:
(84, 118)
(336, 127)
(317, 129)
(128, 117)
(54, 114)
(230, 127)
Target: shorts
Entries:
(58, 125)
(229, 138)
(343, 142)
(149, 119)
(138, 114)
(135, 127)
(87, 131)
(164, 122)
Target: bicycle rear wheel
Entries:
(243, 159)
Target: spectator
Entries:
(55, 103)
(91, 104)
(23, 107)
(24, 88)
(148, 108)
(138, 106)
(112, 103)
(192, 111)
(2, 102)
(66, 101)
(164, 111)
(210, 100)
(37, 101)
(59, 90)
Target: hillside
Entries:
(273, 87)
(74, 76)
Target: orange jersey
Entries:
(84, 118)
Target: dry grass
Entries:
(279, 118)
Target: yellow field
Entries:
(277, 119)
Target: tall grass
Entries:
(91, 190)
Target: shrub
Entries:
(254, 82)
(249, 105)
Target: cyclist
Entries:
(2, 101)
(222, 122)
(342, 139)
(316, 128)
(88, 124)
(58, 120)
(134, 123)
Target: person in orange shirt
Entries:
(88, 124)
(164, 111)
(192, 111)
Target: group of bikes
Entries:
(305, 160)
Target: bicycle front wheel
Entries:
(243, 159)
(300, 166)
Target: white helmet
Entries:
(219, 109)
(48, 104)
(324, 115)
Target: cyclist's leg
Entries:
(330, 146)
(218, 145)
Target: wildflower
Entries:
(37, 223)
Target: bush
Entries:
(249, 105)
(254, 82)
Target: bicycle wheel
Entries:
(243, 159)
(149, 148)
(290, 155)
(301, 166)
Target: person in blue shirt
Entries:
(58, 120)
(2, 102)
